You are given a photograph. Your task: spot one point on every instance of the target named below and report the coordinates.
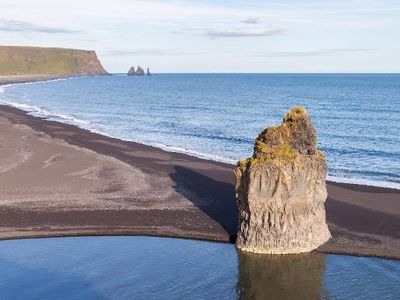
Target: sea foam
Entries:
(360, 181)
(44, 113)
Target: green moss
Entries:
(245, 162)
(242, 163)
(283, 152)
(261, 147)
(264, 154)
(282, 144)
(297, 112)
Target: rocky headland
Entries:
(60, 62)
(281, 190)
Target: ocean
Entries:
(218, 116)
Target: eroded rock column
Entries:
(281, 190)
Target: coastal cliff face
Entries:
(48, 61)
(281, 190)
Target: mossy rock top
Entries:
(295, 137)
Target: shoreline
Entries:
(48, 78)
(108, 186)
(16, 79)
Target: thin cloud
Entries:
(155, 52)
(321, 52)
(250, 21)
(247, 32)
(22, 26)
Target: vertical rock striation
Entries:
(281, 190)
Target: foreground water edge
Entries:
(155, 268)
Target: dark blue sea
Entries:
(218, 116)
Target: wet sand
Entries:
(11, 79)
(60, 180)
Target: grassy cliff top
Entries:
(17, 60)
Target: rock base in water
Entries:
(281, 190)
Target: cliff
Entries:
(15, 60)
(281, 190)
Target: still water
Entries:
(164, 268)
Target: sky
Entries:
(215, 36)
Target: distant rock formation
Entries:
(138, 72)
(281, 190)
(131, 71)
(16, 60)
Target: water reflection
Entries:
(120, 268)
(281, 277)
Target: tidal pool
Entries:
(165, 268)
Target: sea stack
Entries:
(138, 72)
(132, 71)
(281, 190)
